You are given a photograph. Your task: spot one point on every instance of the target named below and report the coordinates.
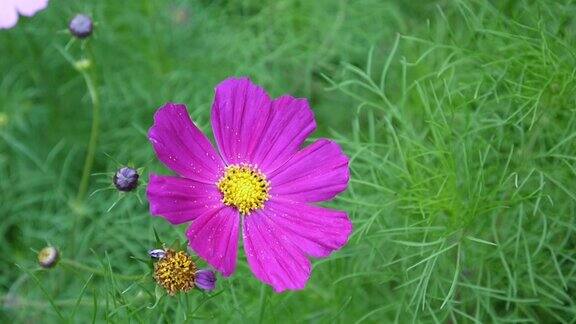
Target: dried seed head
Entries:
(48, 257)
(81, 26)
(175, 272)
(126, 179)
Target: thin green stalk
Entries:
(94, 133)
(83, 67)
(83, 267)
(44, 290)
(262, 304)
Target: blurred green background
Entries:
(458, 116)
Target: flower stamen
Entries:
(244, 187)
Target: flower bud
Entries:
(3, 119)
(205, 279)
(81, 26)
(83, 64)
(48, 257)
(126, 179)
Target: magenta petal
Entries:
(315, 230)
(181, 200)
(250, 128)
(214, 237)
(8, 15)
(182, 147)
(317, 173)
(239, 115)
(30, 7)
(272, 256)
(290, 124)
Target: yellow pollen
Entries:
(244, 187)
(175, 272)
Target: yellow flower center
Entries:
(244, 187)
(175, 272)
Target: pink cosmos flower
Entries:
(262, 183)
(9, 10)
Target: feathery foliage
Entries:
(458, 116)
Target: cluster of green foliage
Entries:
(458, 116)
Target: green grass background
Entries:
(458, 116)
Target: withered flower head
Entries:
(175, 272)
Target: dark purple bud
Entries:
(205, 279)
(81, 26)
(126, 179)
(48, 257)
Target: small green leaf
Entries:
(148, 262)
(158, 240)
(178, 245)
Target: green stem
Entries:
(262, 303)
(83, 267)
(89, 161)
